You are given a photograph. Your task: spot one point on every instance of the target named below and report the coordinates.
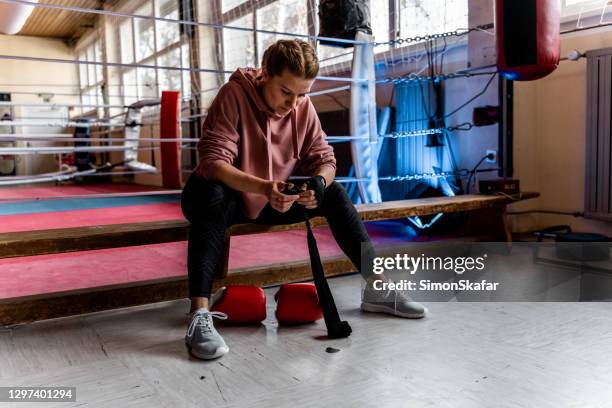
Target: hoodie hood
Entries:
(248, 79)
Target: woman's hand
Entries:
(312, 192)
(308, 198)
(279, 201)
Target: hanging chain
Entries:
(410, 133)
(462, 127)
(427, 176)
(426, 132)
(412, 77)
(427, 37)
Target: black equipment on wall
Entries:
(8, 164)
(486, 115)
(343, 19)
(83, 160)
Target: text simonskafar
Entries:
(426, 284)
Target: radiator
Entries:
(598, 203)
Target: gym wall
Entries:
(550, 138)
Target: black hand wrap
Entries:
(336, 328)
(317, 184)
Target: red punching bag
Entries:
(527, 34)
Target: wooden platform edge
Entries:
(31, 243)
(48, 306)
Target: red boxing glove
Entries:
(297, 303)
(241, 303)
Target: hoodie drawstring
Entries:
(269, 146)
(296, 150)
(294, 140)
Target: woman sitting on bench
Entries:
(260, 128)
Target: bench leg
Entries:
(492, 223)
(224, 263)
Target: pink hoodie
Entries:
(240, 129)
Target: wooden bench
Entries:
(487, 220)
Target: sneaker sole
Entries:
(368, 307)
(220, 352)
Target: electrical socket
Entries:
(494, 153)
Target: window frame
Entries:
(573, 10)
(242, 10)
(570, 15)
(99, 83)
(152, 59)
(251, 6)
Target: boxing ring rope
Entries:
(316, 93)
(73, 124)
(17, 151)
(170, 140)
(356, 82)
(40, 94)
(9, 123)
(59, 105)
(330, 90)
(33, 135)
(146, 66)
(341, 180)
(96, 195)
(64, 138)
(177, 21)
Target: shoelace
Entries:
(205, 318)
(396, 295)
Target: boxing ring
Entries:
(26, 205)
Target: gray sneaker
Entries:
(392, 302)
(202, 339)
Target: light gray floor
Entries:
(461, 355)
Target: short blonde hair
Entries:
(297, 56)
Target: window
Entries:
(170, 79)
(575, 7)
(574, 3)
(151, 42)
(91, 76)
(143, 31)
(230, 4)
(147, 83)
(167, 33)
(397, 18)
(243, 48)
(418, 17)
(129, 78)
(380, 20)
(238, 45)
(91, 69)
(186, 75)
(586, 12)
(127, 42)
(283, 15)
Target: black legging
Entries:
(211, 207)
